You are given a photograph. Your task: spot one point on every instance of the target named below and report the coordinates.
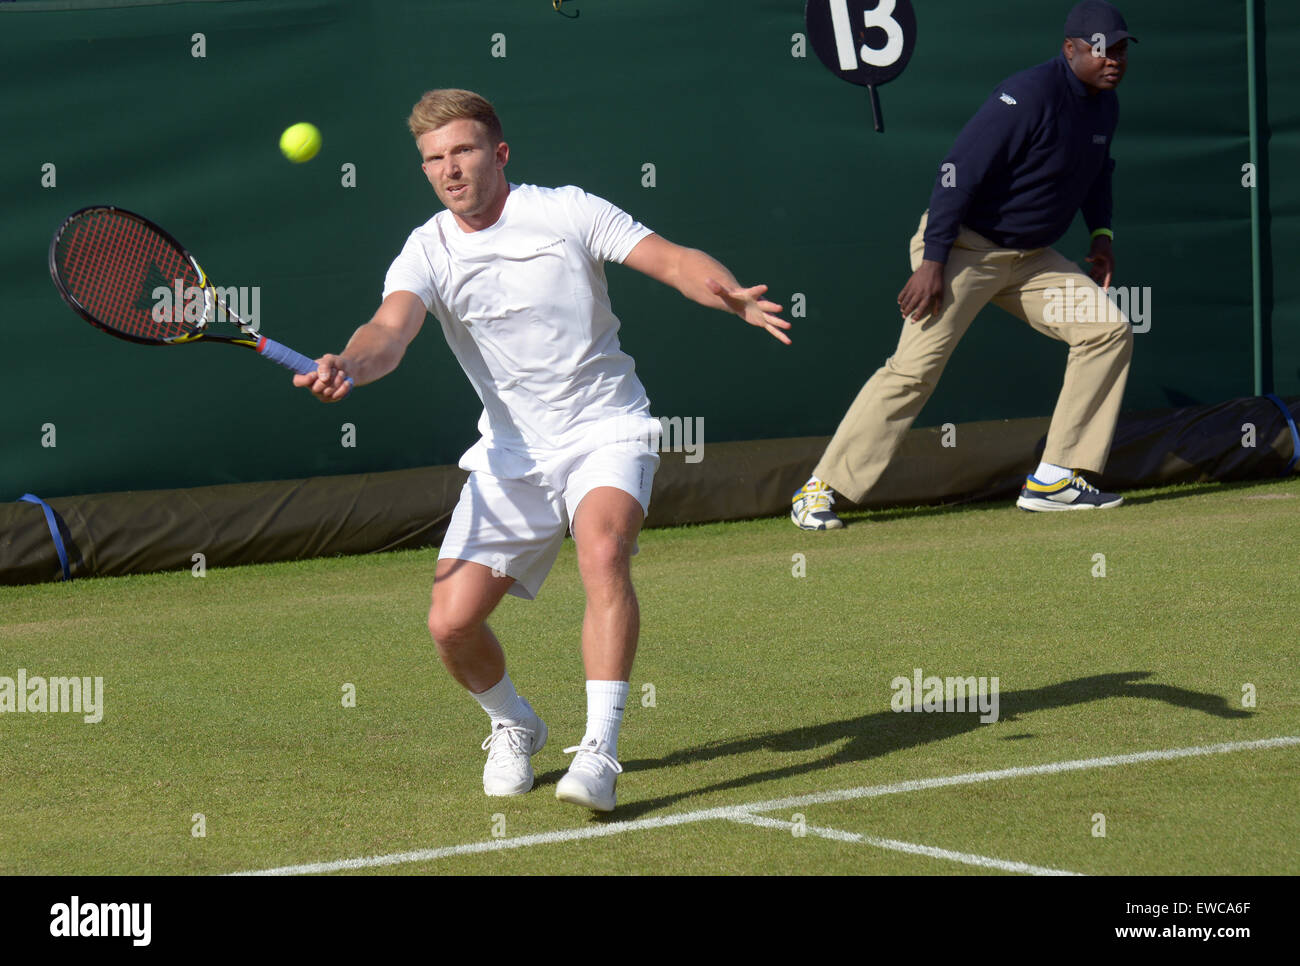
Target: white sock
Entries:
(1051, 473)
(605, 703)
(815, 482)
(502, 702)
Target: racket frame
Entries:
(213, 306)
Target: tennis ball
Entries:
(300, 142)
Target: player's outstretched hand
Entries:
(745, 303)
(1102, 260)
(329, 383)
(922, 296)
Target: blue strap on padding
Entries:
(1295, 434)
(51, 520)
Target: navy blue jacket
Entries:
(1033, 155)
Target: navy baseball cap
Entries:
(1090, 17)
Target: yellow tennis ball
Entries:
(300, 142)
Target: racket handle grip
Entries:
(285, 356)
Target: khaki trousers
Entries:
(1038, 285)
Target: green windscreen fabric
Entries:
(1277, 41)
(712, 123)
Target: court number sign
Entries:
(864, 42)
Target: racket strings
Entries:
(114, 264)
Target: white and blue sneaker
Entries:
(510, 747)
(811, 507)
(590, 779)
(1072, 493)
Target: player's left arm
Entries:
(703, 279)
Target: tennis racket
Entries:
(125, 275)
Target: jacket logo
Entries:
(1007, 99)
(1099, 139)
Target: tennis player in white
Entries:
(515, 276)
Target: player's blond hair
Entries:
(445, 105)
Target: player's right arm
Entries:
(373, 352)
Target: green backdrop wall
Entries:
(761, 157)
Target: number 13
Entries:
(879, 17)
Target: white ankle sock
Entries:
(1051, 473)
(605, 703)
(502, 702)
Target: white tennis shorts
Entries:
(517, 525)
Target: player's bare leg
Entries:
(605, 528)
(464, 594)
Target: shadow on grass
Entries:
(884, 732)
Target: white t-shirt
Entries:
(525, 308)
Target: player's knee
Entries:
(448, 629)
(604, 555)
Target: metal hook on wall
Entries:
(555, 4)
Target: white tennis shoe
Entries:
(1072, 493)
(590, 779)
(510, 747)
(810, 507)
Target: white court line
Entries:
(966, 858)
(497, 845)
(729, 812)
(1054, 768)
